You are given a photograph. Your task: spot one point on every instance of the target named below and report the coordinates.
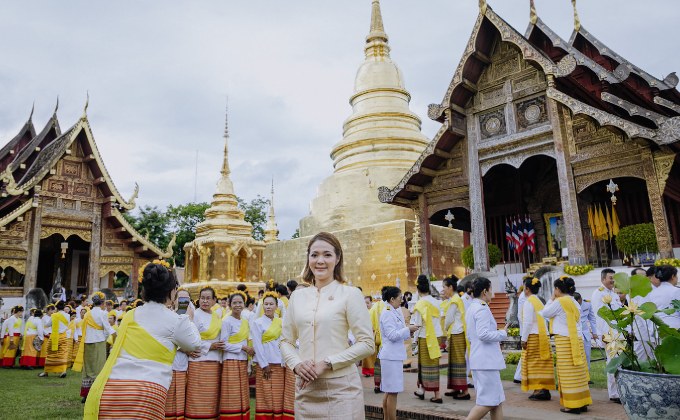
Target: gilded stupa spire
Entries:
(377, 45)
(271, 233)
(224, 185)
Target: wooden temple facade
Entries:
(62, 215)
(536, 125)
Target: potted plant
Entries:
(468, 256)
(648, 388)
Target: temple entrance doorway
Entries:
(524, 198)
(632, 208)
(69, 258)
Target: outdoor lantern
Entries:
(64, 247)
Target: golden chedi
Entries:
(224, 252)
(381, 141)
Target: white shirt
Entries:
(231, 326)
(417, 319)
(529, 323)
(394, 332)
(5, 328)
(100, 318)
(467, 300)
(47, 325)
(520, 307)
(484, 337)
(596, 302)
(662, 297)
(454, 317)
(169, 329)
(265, 353)
(38, 330)
(559, 327)
(202, 321)
(11, 322)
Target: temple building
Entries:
(536, 127)
(61, 215)
(381, 140)
(224, 253)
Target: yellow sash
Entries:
(285, 301)
(543, 340)
(138, 343)
(109, 339)
(243, 332)
(214, 329)
(461, 307)
(375, 312)
(17, 324)
(31, 325)
(273, 332)
(57, 318)
(445, 308)
(88, 321)
(572, 318)
(428, 312)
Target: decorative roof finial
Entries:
(377, 40)
(577, 21)
(87, 103)
(533, 17)
(56, 107)
(225, 162)
(482, 6)
(30, 117)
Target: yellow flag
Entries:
(602, 222)
(615, 222)
(609, 222)
(591, 223)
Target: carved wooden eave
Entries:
(34, 147)
(147, 247)
(14, 214)
(624, 67)
(9, 150)
(667, 104)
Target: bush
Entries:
(513, 332)
(577, 270)
(675, 262)
(635, 239)
(512, 358)
(469, 259)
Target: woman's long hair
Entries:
(307, 274)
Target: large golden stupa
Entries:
(224, 252)
(381, 141)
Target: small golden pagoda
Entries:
(224, 253)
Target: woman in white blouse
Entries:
(320, 318)
(234, 391)
(394, 332)
(135, 379)
(275, 383)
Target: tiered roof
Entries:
(587, 77)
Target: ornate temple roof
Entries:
(35, 156)
(584, 74)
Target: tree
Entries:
(182, 222)
(296, 234)
(255, 214)
(152, 222)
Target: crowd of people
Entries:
(166, 356)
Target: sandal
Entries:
(437, 400)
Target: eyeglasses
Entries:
(205, 299)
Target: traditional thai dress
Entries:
(426, 315)
(91, 357)
(203, 374)
(46, 321)
(13, 337)
(56, 360)
(320, 319)
(274, 397)
(454, 329)
(3, 333)
(572, 370)
(537, 361)
(72, 348)
(135, 379)
(76, 339)
(29, 355)
(174, 404)
(234, 390)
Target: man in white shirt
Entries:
(97, 330)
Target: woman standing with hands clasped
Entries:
(394, 332)
(320, 317)
(486, 359)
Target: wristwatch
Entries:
(328, 363)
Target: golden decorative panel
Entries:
(82, 189)
(71, 169)
(57, 186)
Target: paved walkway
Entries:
(516, 406)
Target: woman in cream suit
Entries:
(486, 359)
(394, 332)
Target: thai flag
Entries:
(520, 234)
(508, 235)
(515, 235)
(531, 234)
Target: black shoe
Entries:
(471, 386)
(42, 375)
(421, 396)
(450, 393)
(436, 400)
(461, 397)
(584, 409)
(82, 400)
(377, 390)
(63, 375)
(541, 396)
(615, 400)
(571, 410)
(516, 381)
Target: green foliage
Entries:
(513, 332)
(183, 221)
(675, 262)
(296, 234)
(152, 223)
(255, 214)
(577, 270)
(668, 354)
(121, 280)
(637, 285)
(513, 358)
(469, 259)
(637, 239)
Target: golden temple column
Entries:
(134, 277)
(477, 213)
(95, 251)
(33, 256)
(663, 236)
(562, 134)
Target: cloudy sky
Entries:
(159, 72)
